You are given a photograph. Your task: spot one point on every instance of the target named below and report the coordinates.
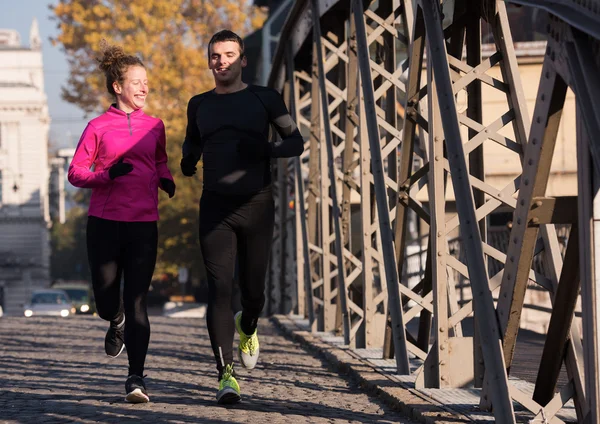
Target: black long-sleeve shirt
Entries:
(217, 123)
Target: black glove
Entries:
(188, 165)
(168, 186)
(254, 149)
(119, 169)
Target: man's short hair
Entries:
(226, 35)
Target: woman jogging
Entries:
(121, 156)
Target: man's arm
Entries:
(192, 145)
(291, 143)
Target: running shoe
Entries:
(248, 348)
(114, 341)
(229, 389)
(136, 390)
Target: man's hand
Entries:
(254, 149)
(119, 169)
(168, 186)
(188, 165)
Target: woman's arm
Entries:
(80, 174)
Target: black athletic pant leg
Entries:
(139, 260)
(218, 242)
(104, 257)
(128, 249)
(254, 249)
(231, 225)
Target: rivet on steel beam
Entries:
(442, 363)
(509, 224)
(443, 378)
(442, 329)
(439, 234)
(437, 158)
(442, 347)
(440, 253)
(538, 203)
(535, 220)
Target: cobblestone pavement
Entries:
(55, 370)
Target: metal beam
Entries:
(391, 271)
(482, 296)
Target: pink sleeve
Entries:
(161, 154)
(85, 154)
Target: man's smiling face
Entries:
(226, 62)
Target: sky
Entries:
(68, 121)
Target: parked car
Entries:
(80, 293)
(49, 303)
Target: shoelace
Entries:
(228, 372)
(251, 346)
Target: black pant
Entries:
(125, 249)
(230, 226)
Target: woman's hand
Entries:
(119, 169)
(168, 186)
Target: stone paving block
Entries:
(55, 370)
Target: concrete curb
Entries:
(405, 399)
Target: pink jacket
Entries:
(140, 140)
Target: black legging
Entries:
(129, 249)
(230, 226)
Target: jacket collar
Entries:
(114, 111)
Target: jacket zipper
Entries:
(129, 123)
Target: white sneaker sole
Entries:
(121, 351)
(137, 397)
(228, 396)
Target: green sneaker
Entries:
(229, 389)
(248, 349)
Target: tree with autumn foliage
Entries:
(171, 37)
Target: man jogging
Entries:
(229, 128)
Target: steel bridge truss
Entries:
(389, 98)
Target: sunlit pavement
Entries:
(55, 370)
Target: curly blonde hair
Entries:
(114, 63)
